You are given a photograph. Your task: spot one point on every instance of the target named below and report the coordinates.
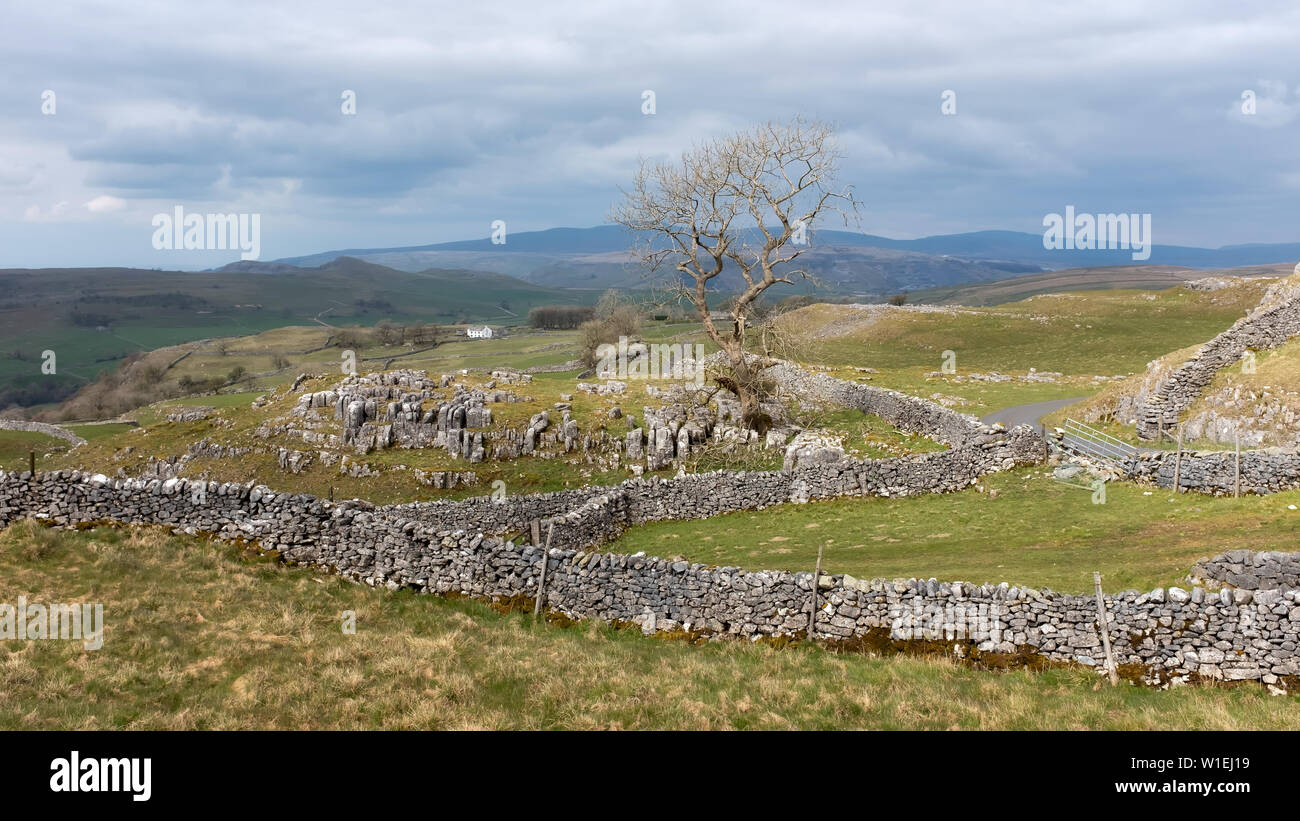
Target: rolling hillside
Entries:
(1100, 332)
(1135, 277)
(92, 318)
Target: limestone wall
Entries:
(1248, 570)
(1262, 471)
(41, 427)
(608, 511)
(1276, 320)
(1160, 636)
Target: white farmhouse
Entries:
(479, 333)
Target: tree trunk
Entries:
(751, 412)
(745, 386)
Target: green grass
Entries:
(200, 635)
(102, 431)
(867, 436)
(1081, 335)
(219, 400)
(16, 447)
(976, 398)
(1026, 528)
(1089, 333)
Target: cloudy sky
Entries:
(532, 113)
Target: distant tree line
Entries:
(387, 332)
(44, 390)
(560, 317)
(169, 299)
(84, 319)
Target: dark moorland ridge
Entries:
(845, 262)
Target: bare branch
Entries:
(736, 204)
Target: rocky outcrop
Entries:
(1257, 416)
(190, 414)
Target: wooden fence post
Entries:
(536, 526)
(541, 583)
(1236, 485)
(1178, 463)
(1105, 632)
(31, 462)
(816, 579)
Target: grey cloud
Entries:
(533, 113)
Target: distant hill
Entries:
(1133, 277)
(844, 262)
(91, 318)
(598, 258)
(1017, 246)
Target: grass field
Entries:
(201, 635)
(1024, 528)
(1089, 337)
(1086, 333)
(17, 445)
(100, 431)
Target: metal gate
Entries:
(1098, 446)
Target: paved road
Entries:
(1028, 414)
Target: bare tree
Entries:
(716, 208)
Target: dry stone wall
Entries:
(1248, 570)
(1275, 321)
(1165, 635)
(903, 411)
(41, 427)
(1262, 471)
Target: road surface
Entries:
(1028, 414)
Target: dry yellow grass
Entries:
(202, 635)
